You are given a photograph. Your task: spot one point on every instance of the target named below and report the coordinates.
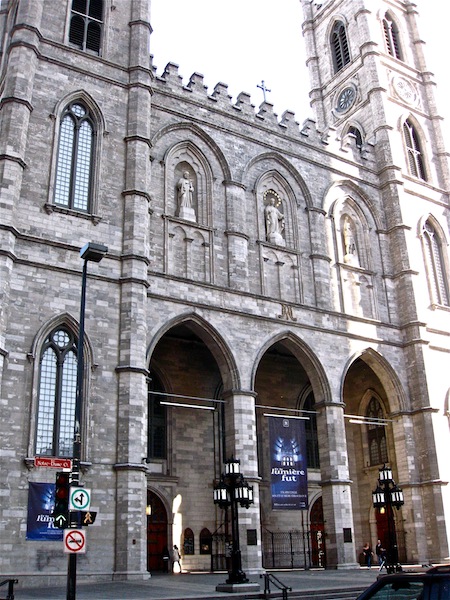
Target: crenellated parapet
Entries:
(170, 83)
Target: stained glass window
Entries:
(57, 394)
(73, 182)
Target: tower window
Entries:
(355, 132)
(436, 267)
(376, 434)
(414, 151)
(392, 37)
(57, 394)
(339, 46)
(86, 24)
(73, 182)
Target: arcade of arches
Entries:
(200, 413)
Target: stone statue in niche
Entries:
(349, 243)
(274, 223)
(185, 197)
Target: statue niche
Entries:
(349, 242)
(274, 218)
(185, 193)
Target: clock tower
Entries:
(368, 76)
(371, 91)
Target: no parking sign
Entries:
(74, 541)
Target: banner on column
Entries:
(41, 501)
(288, 479)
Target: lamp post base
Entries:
(237, 588)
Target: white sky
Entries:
(242, 42)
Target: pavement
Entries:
(201, 585)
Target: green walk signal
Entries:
(61, 510)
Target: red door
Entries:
(318, 557)
(156, 532)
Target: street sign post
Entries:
(74, 541)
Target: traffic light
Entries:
(61, 510)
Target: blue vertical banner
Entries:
(288, 470)
(41, 501)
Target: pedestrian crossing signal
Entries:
(61, 510)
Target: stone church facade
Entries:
(254, 265)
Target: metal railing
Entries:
(10, 582)
(270, 578)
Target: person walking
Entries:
(378, 551)
(176, 559)
(367, 551)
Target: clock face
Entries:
(346, 99)
(405, 90)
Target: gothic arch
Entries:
(396, 39)
(415, 147)
(305, 356)
(214, 341)
(195, 131)
(96, 152)
(386, 375)
(187, 156)
(338, 41)
(436, 260)
(280, 160)
(91, 103)
(348, 189)
(68, 321)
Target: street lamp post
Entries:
(386, 496)
(232, 490)
(89, 252)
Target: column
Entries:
(131, 537)
(336, 486)
(240, 442)
(237, 239)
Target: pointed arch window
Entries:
(57, 394)
(312, 440)
(376, 434)
(74, 162)
(86, 23)
(392, 37)
(414, 151)
(434, 256)
(188, 541)
(157, 420)
(339, 46)
(356, 133)
(205, 541)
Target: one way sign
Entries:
(79, 498)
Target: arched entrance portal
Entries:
(318, 556)
(156, 532)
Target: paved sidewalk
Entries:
(200, 585)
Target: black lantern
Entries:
(386, 496)
(231, 491)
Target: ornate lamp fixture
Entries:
(387, 495)
(232, 490)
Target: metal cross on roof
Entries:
(264, 89)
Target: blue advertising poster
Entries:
(289, 481)
(40, 507)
